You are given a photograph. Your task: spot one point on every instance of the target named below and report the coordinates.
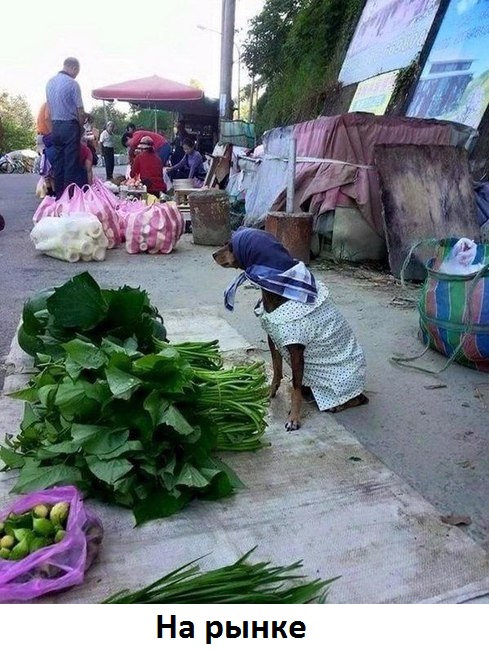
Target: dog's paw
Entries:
(292, 425)
(274, 386)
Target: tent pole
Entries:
(156, 122)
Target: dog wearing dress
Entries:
(302, 324)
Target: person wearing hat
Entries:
(160, 144)
(107, 143)
(148, 166)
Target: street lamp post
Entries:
(238, 53)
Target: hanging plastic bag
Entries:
(59, 565)
(41, 188)
(47, 208)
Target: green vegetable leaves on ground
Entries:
(124, 415)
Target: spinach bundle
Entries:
(81, 308)
(136, 428)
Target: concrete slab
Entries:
(316, 494)
(202, 324)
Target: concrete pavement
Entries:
(429, 431)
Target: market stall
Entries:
(200, 114)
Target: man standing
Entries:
(65, 106)
(107, 144)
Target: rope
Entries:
(309, 159)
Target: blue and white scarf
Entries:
(268, 265)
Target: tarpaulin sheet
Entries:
(351, 180)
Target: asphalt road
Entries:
(431, 430)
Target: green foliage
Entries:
(120, 412)
(404, 82)
(17, 129)
(142, 118)
(145, 119)
(263, 48)
(297, 48)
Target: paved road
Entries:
(434, 438)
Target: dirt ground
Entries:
(431, 430)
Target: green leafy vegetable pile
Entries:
(122, 413)
(81, 307)
(241, 582)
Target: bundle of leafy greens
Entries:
(241, 582)
(81, 307)
(132, 427)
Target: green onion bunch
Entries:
(241, 582)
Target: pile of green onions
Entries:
(241, 582)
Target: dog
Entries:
(272, 250)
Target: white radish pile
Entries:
(73, 238)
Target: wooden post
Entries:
(289, 207)
(294, 231)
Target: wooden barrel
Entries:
(293, 230)
(209, 214)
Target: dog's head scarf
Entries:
(268, 264)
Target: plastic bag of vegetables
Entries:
(48, 540)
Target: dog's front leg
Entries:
(297, 364)
(277, 368)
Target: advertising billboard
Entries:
(389, 35)
(373, 95)
(454, 84)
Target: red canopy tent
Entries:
(148, 91)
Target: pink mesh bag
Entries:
(60, 565)
(154, 230)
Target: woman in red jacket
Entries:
(149, 167)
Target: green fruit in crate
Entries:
(43, 527)
(41, 511)
(5, 553)
(59, 512)
(60, 535)
(7, 541)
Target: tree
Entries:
(17, 129)
(263, 47)
(297, 47)
(142, 118)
